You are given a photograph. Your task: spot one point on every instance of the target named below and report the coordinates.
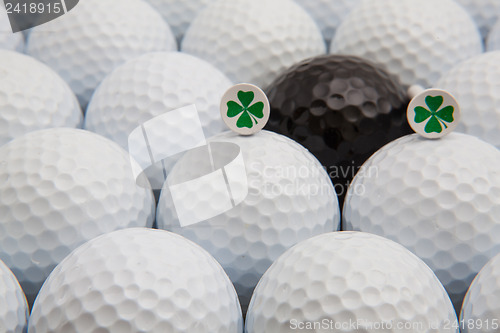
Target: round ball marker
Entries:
(433, 113)
(245, 109)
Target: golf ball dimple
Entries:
(481, 308)
(137, 280)
(58, 189)
(179, 14)
(33, 97)
(341, 108)
(475, 83)
(235, 36)
(91, 40)
(150, 86)
(8, 40)
(438, 198)
(350, 282)
(418, 41)
(14, 311)
(290, 198)
(484, 12)
(328, 14)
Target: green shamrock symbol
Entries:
(249, 112)
(438, 117)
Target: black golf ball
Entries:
(341, 108)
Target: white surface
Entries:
(328, 14)
(91, 40)
(484, 12)
(33, 97)
(236, 36)
(417, 41)
(152, 85)
(137, 280)
(481, 308)
(8, 39)
(58, 189)
(345, 278)
(438, 198)
(179, 14)
(290, 198)
(13, 306)
(475, 83)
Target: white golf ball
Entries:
(91, 40)
(151, 85)
(350, 282)
(328, 14)
(179, 14)
(58, 189)
(253, 40)
(14, 311)
(137, 280)
(481, 308)
(439, 198)
(475, 83)
(8, 39)
(493, 41)
(290, 198)
(417, 41)
(32, 97)
(484, 12)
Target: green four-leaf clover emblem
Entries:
(248, 112)
(436, 117)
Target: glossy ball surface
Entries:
(33, 97)
(341, 108)
(95, 37)
(493, 41)
(438, 198)
(58, 189)
(349, 281)
(484, 12)
(137, 280)
(252, 41)
(481, 308)
(475, 83)
(417, 41)
(290, 198)
(14, 311)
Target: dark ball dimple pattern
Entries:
(341, 108)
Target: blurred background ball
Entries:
(14, 311)
(341, 108)
(484, 12)
(137, 280)
(91, 40)
(9, 40)
(493, 41)
(152, 85)
(475, 83)
(481, 308)
(418, 41)
(32, 97)
(328, 14)
(347, 277)
(58, 189)
(438, 198)
(290, 198)
(253, 40)
(179, 14)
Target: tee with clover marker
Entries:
(433, 113)
(245, 109)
